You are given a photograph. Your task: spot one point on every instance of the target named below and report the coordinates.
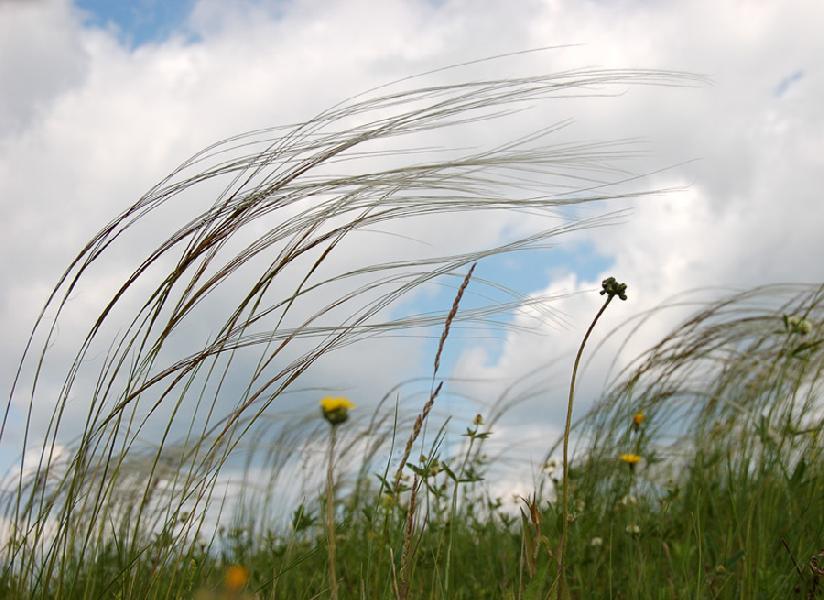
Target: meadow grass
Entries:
(725, 503)
(697, 473)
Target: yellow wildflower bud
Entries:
(630, 459)
(336, 409)
(236, 578)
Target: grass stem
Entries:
(611, 289)
(330, 515)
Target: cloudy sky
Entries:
(102, 99)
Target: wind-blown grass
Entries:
(115, 517)
(724, 503)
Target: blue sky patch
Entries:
(526, 272)
(785, 84)
(138, 22)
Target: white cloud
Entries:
(42, 56)
(91, 125)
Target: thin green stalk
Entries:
(330, 515)
(406, 551)
(611, 288)
(452, 512)
(700, 565)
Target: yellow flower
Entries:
(236, 578)
(637, 419)
(630, 459)
(336, 409)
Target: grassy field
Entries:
(697, 474)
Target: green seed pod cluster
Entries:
(611, 287)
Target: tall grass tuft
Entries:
(125, 488)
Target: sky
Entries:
(102, 99)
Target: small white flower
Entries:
(596, 541)
(580, 505)
(628, 500)
(633, 529)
